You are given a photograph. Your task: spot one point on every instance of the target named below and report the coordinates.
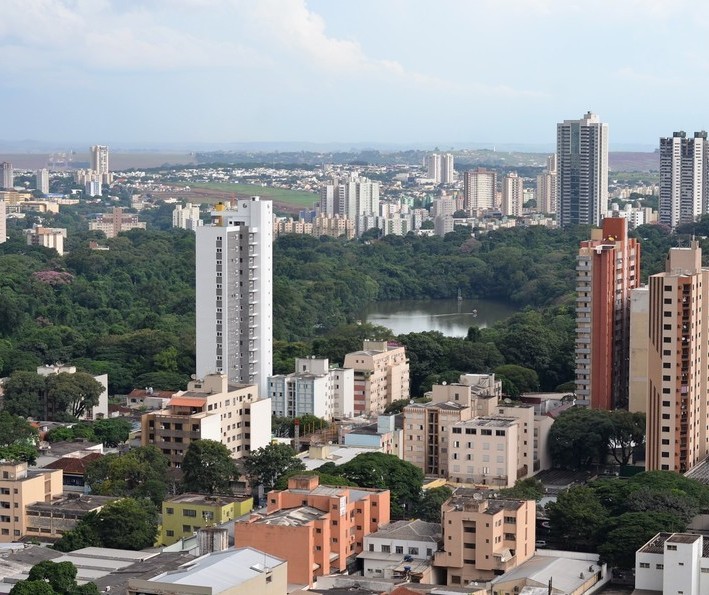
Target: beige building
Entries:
(677, 354)
(639, 344)
(546, 187)
(211, 409)
(115, 222)
(19, 487)
(512, 195)
(46, 236)
(484, 538)
(50, 520)
(334, 226)
(381, 376)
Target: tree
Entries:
(81, 536)
(396, 406)
(324, 479)
(265, 465)
(208, 468)
(28, 587)
(112, 432)
(128, 524)
(525, 489)
(580, 437)
(576, 518)
(23, 394)
(16, 430)
(71, 393)
(627, 433)
(53, 578)
(429, 508)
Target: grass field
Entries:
(296, 198)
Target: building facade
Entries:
(479, 188)
(8, 175)
(99, 163)
(115, 222)
(42, 177)
(512, 195)
(447, 168)
(607, 270)
(432, 163)
(234, 281)
(186, 217)
(677, 389)
(48, 237)
(582, 170)
(381, 376)
(546, 187)
(683, 178)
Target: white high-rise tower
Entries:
(8, 175)
(234, 277)
(99, 163)
(433, 167)
(582, 170)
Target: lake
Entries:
(451, 317)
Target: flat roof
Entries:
(78, 503)
(568, 574)
(415, 530)
(291, 517)
(490, 421)
(202, 500)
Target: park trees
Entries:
(208, 468)
(265, 465)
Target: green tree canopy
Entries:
(525, 489)
(576, 518)
(265, 465)
(429, 507)
(53, 578)
(208, 468)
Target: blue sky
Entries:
(434, 72)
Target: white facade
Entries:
(479, 190)
(43, 180)
(3, 222)
(313, 389)
(433, 167)
(512, 195)
(546, 187)
(673, 563)
(49, 237)
(8, 175)
(358, 200)
(92, 187)
(582, 170)
(99, 163)
(186, 217)
(234, 280)
(447, 168)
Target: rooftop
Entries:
(700, 472)
(496, 421)
(416, 529)
(74, 503)
(657, 544)
(202, 500)
(568, 574)
(74, 465)
(290, 517)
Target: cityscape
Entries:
(312, 308)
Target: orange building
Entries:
(607, 269)
(318, 529)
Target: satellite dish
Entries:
(508, 401)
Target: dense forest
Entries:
(129, 311)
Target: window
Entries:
(672, 548)
(399, 549)
(414, 551)
(386, 549)
(644, 565)
(186, 528)
(189, 512)
(170, 533)
(170, 510)
(659, 566)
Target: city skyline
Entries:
(222, 71)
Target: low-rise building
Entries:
(212, 409)
(318, 529)
(240, 571)
(483, 538)
(74, 470)
(184, 514)
(387, 435)
(148, 398)
(673, 563)
(50, 520)
(115, 222)
(381, 376)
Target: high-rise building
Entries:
(447, 168)
(8, 175)
(677, 353)
(512, 195)
(546, 187)
(186, 217)
(3, 222)
(479, 187)
(607, 269)
(683, 178)
(234, 280)
(433, 167)
(43, 180)
(359, 201)
(582, 178)
(99, 163)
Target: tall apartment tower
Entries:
(546, 187)
(234, 279)
(582, 178)
(358, 200)
(479, 187)
(683, 178)
(512, 195)
(447, 168)
(607, 269)
(42, 184)
(99, 163)
(677, 356)
(8, 175)
(3, 222)
(432, 163)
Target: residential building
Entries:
(99, 163)
(115, 222)
(240, 571)
(313, 389)
(386, 435)
(479, 188)
(673, 563)
(49, 237)
(546, 187)
(8, 175)
(678, 327)
(447, 168)
(512, 195)
(234, 281)
(42, 183)
(184, 514)
(684, 177)
(48, 521)
(483, 538)
(358, 199)
(148, 398)
(186, 217)
(20, 487)
(381, 376)
(582, 170)
(92, 187)
(3, 222)
(401, 549)
(334, 226)
(432, 163)
(607, 270)
(318, 529)
(74, 470)
(211, 408)
(639, 346)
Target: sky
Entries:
(447, 73)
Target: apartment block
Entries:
(381, 376)
(607, 270)
(50, 520)
(185, 514)
(512, 195)
(313, 389)
(115, 222)
(213, 409)
(479, 190)
(546, 187)
(318, 529)
(47, 237)
(484, 538)
(186, 217)
(386, 435)
(677, 354)
(20, 487)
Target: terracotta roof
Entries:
(141, 392)
(73, 465)
(187, 402)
